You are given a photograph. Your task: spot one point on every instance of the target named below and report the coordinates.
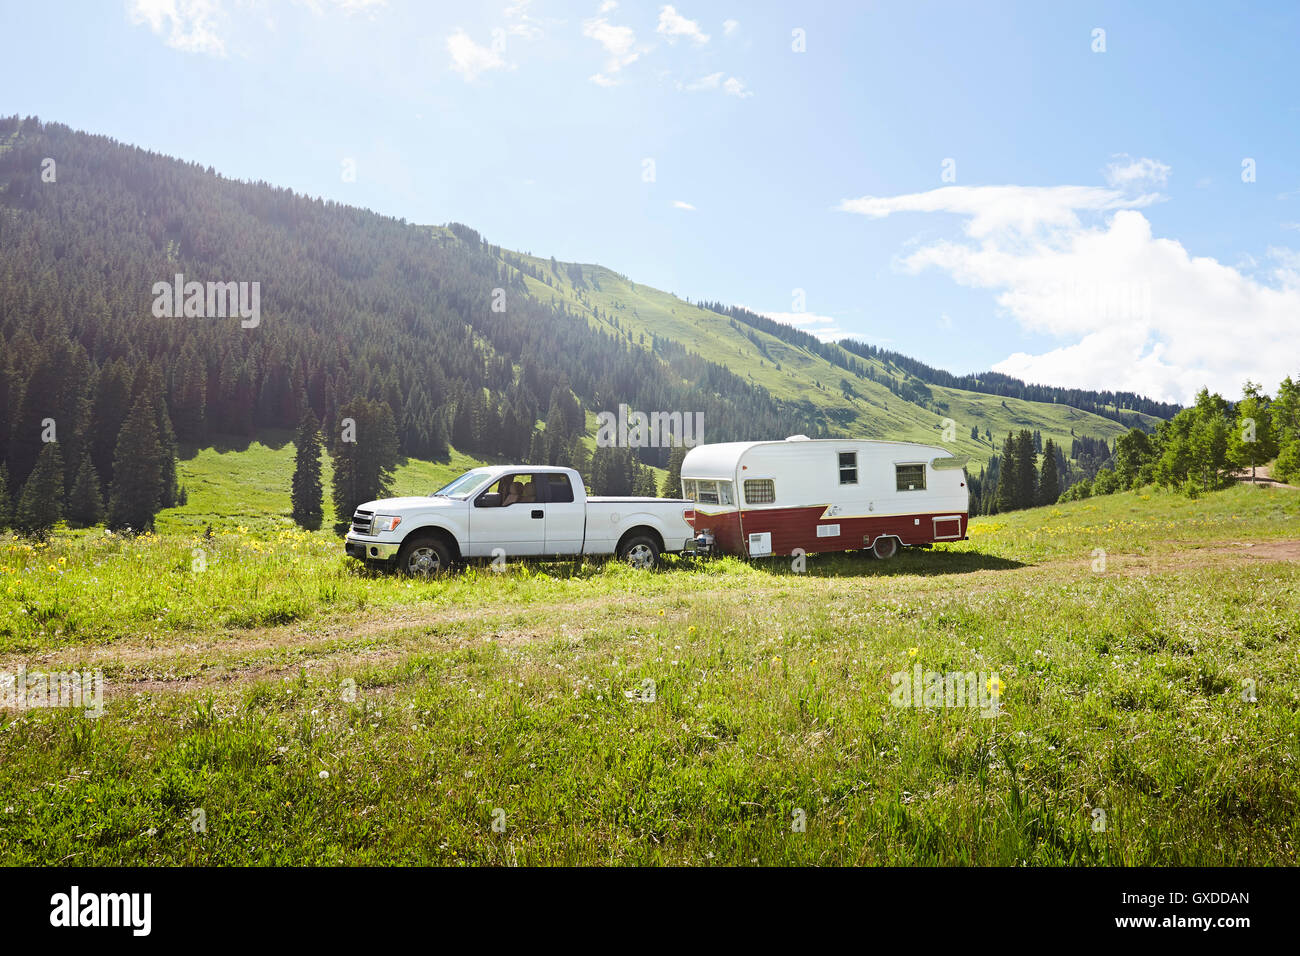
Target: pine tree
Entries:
(6, 499)
(643, 481)
(136, 492)
(672, 483)
(1026, 470)
(305, 491)
(86, 503)
(41, 504)
(1008, 493)
(363, 468)
(1049, 482)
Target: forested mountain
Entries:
(498, 353)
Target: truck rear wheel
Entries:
(424, 557)
(885, 547)
(640, 552)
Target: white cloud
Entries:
(353, 6)
(673, 25)
(711, 82)
(822, 326)
(714, 81)
(730, 26)
(1136, 312)
(734, 87)
(521, 23)
(1128, 171)
(202, 26)
(619, 43)
(192, 26)
(993, 208)
(470, 59)
(679, 204)
(609, 6)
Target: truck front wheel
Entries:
(424, 557)
(640, 552)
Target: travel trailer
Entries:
(773, 497)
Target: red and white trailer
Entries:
(773, 497)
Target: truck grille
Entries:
(363, 522)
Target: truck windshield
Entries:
(464, 486)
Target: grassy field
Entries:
(317, 713)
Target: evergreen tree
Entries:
(1026, 470)
(305, 490)
(136, 493)
(6, 499)
(86, 503)
(672, 483)
(41, 504)
(1008, 491)
(363, 467)
(643, 482)
(1049, 483)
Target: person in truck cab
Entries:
(515, 494)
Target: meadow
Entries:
(717, 712)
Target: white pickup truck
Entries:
(516, 511)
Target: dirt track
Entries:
(225, 657)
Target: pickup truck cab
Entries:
(516, 511)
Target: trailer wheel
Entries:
(885, 547)
(424, 557)
(641, 552)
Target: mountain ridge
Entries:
(361, 305)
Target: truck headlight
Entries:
(386, 523)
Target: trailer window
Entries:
(910, 477)
(709, 492)
(848, 468)
(760, 491)
(689, 491)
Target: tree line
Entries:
(1199, 450)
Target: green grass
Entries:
(245, 483)
(228, 692)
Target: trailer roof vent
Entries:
(797, 438)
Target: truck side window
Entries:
(848, 468)
(558, 488)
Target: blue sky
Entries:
(998, 186)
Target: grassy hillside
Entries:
(245, 483)
(317, 713)
(797, 375)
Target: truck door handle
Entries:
(537, 512)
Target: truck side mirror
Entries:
(490, 499)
